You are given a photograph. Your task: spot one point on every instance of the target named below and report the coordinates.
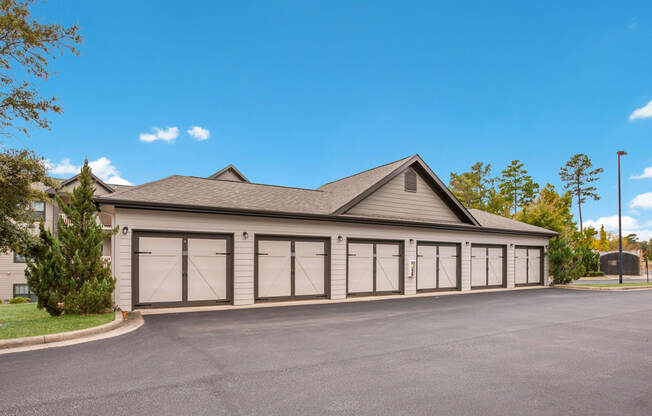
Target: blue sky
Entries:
(302, 93)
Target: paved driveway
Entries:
(546, 351)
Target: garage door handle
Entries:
(263, 254)
(321, 254)
(142, 252)
(419, 255)
(396, 255)
(222, 254)
(350, 255)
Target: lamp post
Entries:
(620, 225)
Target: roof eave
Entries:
(309, 216)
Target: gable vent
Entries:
(410, 181)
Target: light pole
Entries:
(620, 225)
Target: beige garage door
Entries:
(179, 269)
(160, 269)
(437, 266)
(274, 269)
(487, 266)
(207, 269)
(528, 265)
(374, 267)
(361, 268)
(291, 268)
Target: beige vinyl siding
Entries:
(136, 219)
(392, 201)
(10, 272)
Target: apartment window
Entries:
(38, 209)
(22, 290)
(18, 258)
(410, 181)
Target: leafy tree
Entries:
(550, 210)
(19, 170)
(81, 238)
(602, 244)
(578, 176)
(26, 49)
(517, 185)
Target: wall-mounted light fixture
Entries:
(125, 230)
(411, 240)
(467, 243)
(511, 245)
(245, 235)
(340, 238)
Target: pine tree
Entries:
(517, 186)
(577, 176)
(81, 236)
(45, 273)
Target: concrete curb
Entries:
(604, 289)
(62, 336)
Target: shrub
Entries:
(94, 296)
(564, 263)
(593, 273)
(17, 300)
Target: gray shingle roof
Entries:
(489, 220)
(194, 192)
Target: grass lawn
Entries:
(641, 284)
(25, 320)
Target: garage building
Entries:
(394, 229)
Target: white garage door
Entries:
(181, 269)
(274, 269)
(437, 266)
(387, 267)
(160, 269)
(528, 265)
(520, 266)
(487, 266)
(361, 268)
(207, 269)
(291, 268)
(374, 267)
(310, 268)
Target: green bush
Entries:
(18, 299)
(94, 296)
(593, 273)
(562, 260)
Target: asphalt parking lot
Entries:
(533, 352)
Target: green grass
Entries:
(25, 320)
(642, 284)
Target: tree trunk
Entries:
(579, 206)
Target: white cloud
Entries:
(633, 25)
(611, 223)
(166, 135)
(643, 112)
(630, 226)
(103, 168)
(63, 168)
(199, 133)
(642, 201)
(647, 173)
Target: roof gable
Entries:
(69, 184)
(229, 173)
(407, 196)
(374, 182)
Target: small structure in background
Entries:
(631, 263)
